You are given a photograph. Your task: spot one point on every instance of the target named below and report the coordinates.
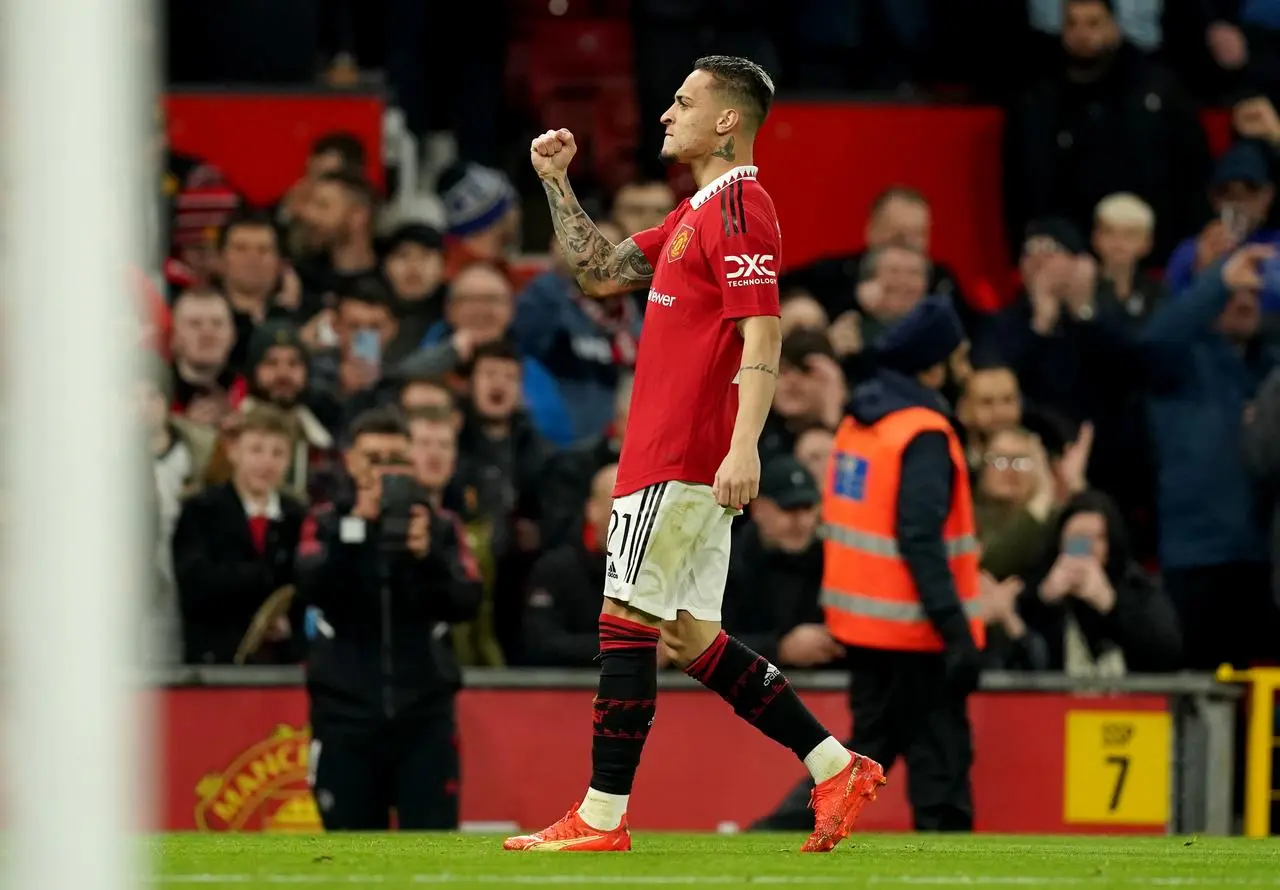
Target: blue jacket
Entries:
(1200, 384)
(542, 396)
(1181, 269)
(551, 326)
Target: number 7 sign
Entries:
(1117, 767)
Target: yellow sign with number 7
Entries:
(1117, 767)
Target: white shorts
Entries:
(668, 551)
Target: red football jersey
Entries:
(715, 260)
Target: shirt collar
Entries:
(708, 191)
(269, 510)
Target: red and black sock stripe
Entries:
(619, 633)
(625, 702)
(758, 692)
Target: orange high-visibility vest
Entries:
(868, 595)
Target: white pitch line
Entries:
(737, 880)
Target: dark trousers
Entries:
(408, 764)
(1228, 614)
(901, 708)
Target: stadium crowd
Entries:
(1122, 419)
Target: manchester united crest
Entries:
(679, 241)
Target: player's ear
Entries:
(728, 120)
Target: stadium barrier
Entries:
(1262, 740)
(1137, 754)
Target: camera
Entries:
(400, 494)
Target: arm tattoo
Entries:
(761, 366)
(725, 151)
(600, 266)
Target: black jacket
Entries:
(222, 578)
(1262, 460)
(564, 484)
(770, 592)
(1142, 624)
(501, 473)
(562, 610)
(1069, 145)
(1073, 371)
(382, 644)
(924, 498)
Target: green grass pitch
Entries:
(242, 861)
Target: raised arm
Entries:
(601, 267)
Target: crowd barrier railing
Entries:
(1053, 754)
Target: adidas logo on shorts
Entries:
(613, 573)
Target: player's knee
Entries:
(687, 638)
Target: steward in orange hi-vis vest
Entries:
(868, 594)
(900, 570)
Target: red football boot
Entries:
(837, 802)
(572, 835)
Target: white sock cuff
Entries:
(603, 811)
(827, 759)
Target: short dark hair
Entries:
(502, 349)
(432, 415)
(385, 420)
(800, 344)
(367, 288)
(745, 81)
(247, 219)
(1108, 4)
(436, 380)
(346, 145)
(897, 193)
(357, 187)
(989, 362)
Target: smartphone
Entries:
(1078, 545)
(366, 345)
(1235, 222)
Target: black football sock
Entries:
(624, 703)
(759, 693)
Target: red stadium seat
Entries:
(578, 52)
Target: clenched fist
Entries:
(551, 152)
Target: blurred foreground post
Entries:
(73, 111)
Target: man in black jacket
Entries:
(381, 673)
(562, 610)
(565, 480)
(775, 572)
(1111, 120)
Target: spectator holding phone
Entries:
(1241, 192)
(390, 575)
(352, 372)
(1097, 611)
(1204, 363)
